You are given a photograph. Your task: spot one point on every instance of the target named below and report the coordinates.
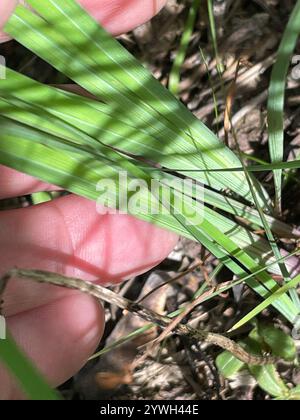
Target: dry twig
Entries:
(111, 297)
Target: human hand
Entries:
(58, 328)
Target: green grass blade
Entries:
(109, 72)
(238, 209)
(129, 337)
(277, 97)
(234, 251)
(174, 79)
(30, 380)
(294, 164)
(214, 37)
(273, 244)
(267, 302)
(41, 197)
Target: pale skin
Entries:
(59, 329)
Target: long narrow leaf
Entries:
(109, 72)
(31, 381)
(277, 96)
(267, 302)
(174, 78)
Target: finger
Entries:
(59, 337)
(16, 184)
(6, 9)
(68, 236)
(117, 16)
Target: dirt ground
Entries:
(249, 32)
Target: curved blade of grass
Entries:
(250, 214)
(253, 186)
(129, 337)
(294, 164)
(267, 302)
(272, 242)
(228, 365)
(174, 79)
(30, 380)
(275, 249)
(214, 37)
(277, 96)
